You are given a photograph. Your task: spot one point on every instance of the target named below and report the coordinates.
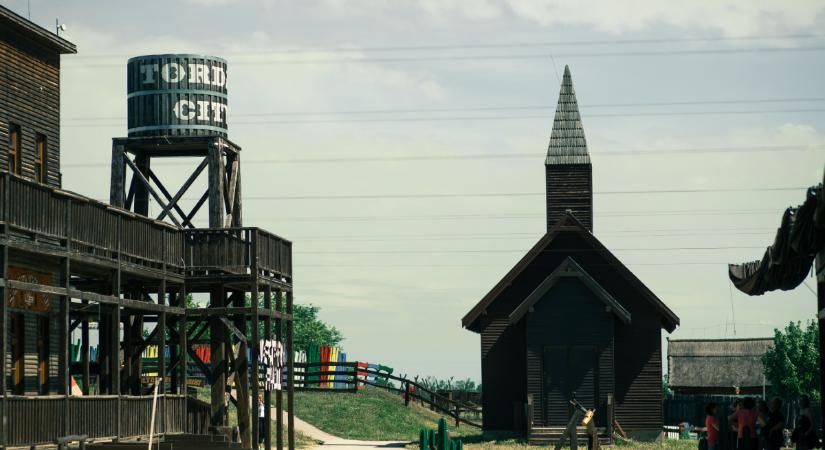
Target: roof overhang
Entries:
(35, 31)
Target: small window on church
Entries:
(40, 159)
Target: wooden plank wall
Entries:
(502, 366)
(569, 186)
(569, 316)
(30, 97)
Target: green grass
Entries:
(473, 443)
(371, 414)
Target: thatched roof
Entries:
(718, 363)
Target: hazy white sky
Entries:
(471, 86)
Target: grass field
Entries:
(371, 414)
(477, 444)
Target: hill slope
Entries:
(370, 414)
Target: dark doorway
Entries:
(568, 371)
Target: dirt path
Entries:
(336, 443)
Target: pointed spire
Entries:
(567, 142)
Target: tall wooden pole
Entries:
(218, 349)
(290, 394)
(267, 393)
(279, 395)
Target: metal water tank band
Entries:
(177, 127)
(177, 91)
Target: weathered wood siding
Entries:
(568, 318)
(502, 366)
(639, 373)
(569, 187)
(30, 98)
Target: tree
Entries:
(792, 364)
(310, 330)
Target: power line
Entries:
(349, 159)
(508, 194)
(441, 47)
(457, 58)
(474, 251)
(494, 108)
(471, 118)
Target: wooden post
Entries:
(182, 345)
(279, 395)
(254, 345)
(84, 352)
(142, 162)
(245, 422)
(610, 405)
(4, 316)
(290, 394)
(268, 394)
(820, 289)
(457, 415)
(216, 184)
(218, 349)
(161, 339)
(118, 179)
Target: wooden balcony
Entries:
(41, 219)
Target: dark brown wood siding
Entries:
(30, 98)
(569, 318)
(502, 366)
(639, 374)
(569, 187)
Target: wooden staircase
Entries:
(551, 435)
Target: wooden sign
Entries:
(29, 300)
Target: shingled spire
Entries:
(569, 175)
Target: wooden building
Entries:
(570, 320)
(70, 263)
(717, 366)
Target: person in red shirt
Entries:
(745, 417)
(712, 425)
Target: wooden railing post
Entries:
(457, 415)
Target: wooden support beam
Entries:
(268, 394)
(84, 354)
(4, 320)
(173, 201)
(118, 176)
(245, 425)
(233, 329)
(218, 347)
(290, 396)
(139, 208)
(216, 185)
(279, 395)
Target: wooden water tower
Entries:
(177, 109)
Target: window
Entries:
(17, 354)
(15, 147)
(43, 355)
(40, 159)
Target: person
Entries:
(762, 415)
(773, 430)
(804, 435)
(745, 417)
(712, 425)
(737, 403)
(261, 421)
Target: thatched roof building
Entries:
(717, 366)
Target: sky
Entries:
(370, 128)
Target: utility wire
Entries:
(471, 118)
(562, 250)
(349, 159)
(492, 108)
(458, 58)
(441, 47)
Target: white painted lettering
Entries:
(185, 110)
(173, 73)
(199, 73)
(149, 71)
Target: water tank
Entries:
(176, 95)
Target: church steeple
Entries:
(569, 175)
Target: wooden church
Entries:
(570, 320)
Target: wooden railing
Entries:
(311, 376)
(40, 419)
(231, 250)
(91, 228)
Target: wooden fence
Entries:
(350, 377)
(34, 420)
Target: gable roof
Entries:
(570, 269)
(568, 223)
(567, 142)
(703, 363)
(36, 32)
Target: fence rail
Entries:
(350, 376)
(34, 420)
